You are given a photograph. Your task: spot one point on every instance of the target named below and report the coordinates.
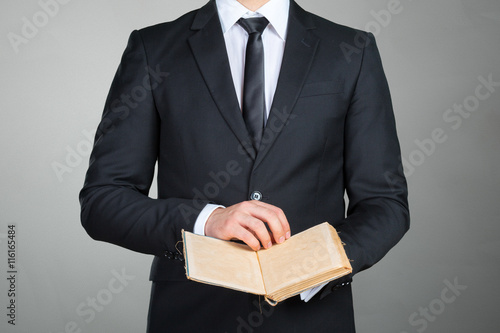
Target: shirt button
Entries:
(256, 195)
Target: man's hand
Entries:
(246, 221)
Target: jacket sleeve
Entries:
(115, 206)
(378, 215)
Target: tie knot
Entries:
(253, 25)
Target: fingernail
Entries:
(288, 234)
(269, 244)
(282, 239)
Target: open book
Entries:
(305, 260)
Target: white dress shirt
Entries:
(273, 39)
(236, 38)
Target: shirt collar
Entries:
(276, 11)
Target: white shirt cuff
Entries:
(201, 220)
(309, 293)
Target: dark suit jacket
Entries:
(331, 129)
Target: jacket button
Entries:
(256, 195)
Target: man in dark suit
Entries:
(180, 98)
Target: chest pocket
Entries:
(322, 88)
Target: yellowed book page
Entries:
(305, 255)
(222, 263)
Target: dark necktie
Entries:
(254, 104)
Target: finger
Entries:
(281, 216)
(258, 228)
(274, 218)
(247, 237)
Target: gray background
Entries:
(52, 92)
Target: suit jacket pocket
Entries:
(322, 88)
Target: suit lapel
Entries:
(300, 47)
(209, 50)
